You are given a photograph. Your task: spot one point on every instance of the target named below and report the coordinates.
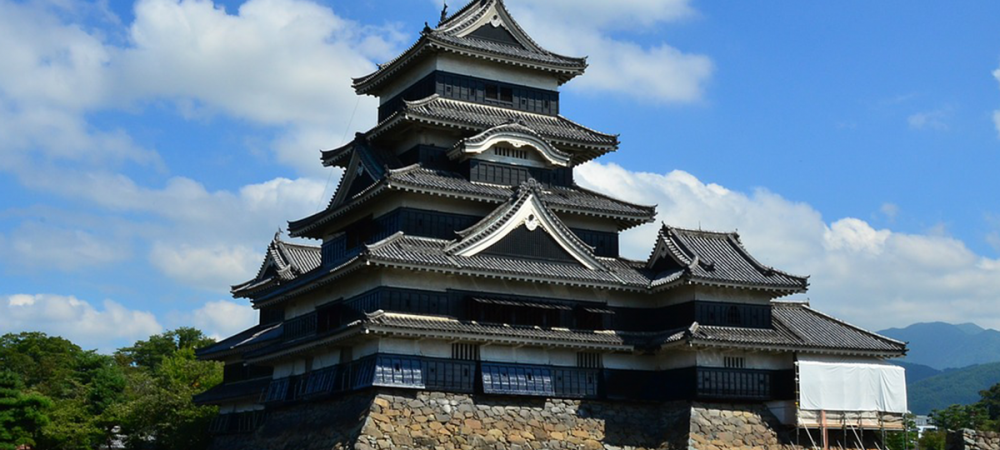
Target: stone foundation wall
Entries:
(400, 419)
(972, 440)
(718, 426)
(455, 421)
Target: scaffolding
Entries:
(851, 427)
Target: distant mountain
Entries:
(916, 372)
(942, 345)
(957, 386)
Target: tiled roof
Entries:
(716, 259)
(451, 35)
(526, 200)
(796, 326)
(402, 324)
(419, 179)
(232, 391)
(422, 253)
(284, 261)
(478, 118)
(251, 338)
(374, 158)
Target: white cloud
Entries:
(77, 320)
(936, 120)
(214, 268)
(39, 245)
(996, 114)
(889, 210)
(273, 63)
(221, 319)
(657, 73)
(996, 121)
(875, 278)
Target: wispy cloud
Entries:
(936, 120)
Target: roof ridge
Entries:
(601, 194)
(852, 326)
(561, 117)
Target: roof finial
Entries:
(444, 12)
(277, 234)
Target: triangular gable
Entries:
(666, 256)
(488, 19)
(527, 243)
(495, 34)
(526, 211)
(362, 171)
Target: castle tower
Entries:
(458, 260)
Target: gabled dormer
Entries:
(525, 227)
(284, 262)
(707, 258)
(478, 54)
(511, 143)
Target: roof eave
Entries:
(371, 84)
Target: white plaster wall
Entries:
(630, 361)
(493, 71)
(528, 355)
(328, 359)
(497, 353)
(753, 360)
(246, 406)
(364, 349)
(283, 370)
(461, 65)
(407, 77)
(422, 280)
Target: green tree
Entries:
(83, 387)
(22, 415)
(989, 400)
(932, 440)
(150, 353)
(903, 440)
(163, 377)
(957, 417)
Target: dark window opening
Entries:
(733, 316)
(272, 315)
(506, 94)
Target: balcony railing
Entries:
(734, 384)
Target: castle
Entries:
(468, 294)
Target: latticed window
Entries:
(510, 152)
(589, 360)
(465, 352)
(735, 362)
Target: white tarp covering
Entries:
(851, 386)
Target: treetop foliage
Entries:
(55, 395)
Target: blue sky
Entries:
(149, 150)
